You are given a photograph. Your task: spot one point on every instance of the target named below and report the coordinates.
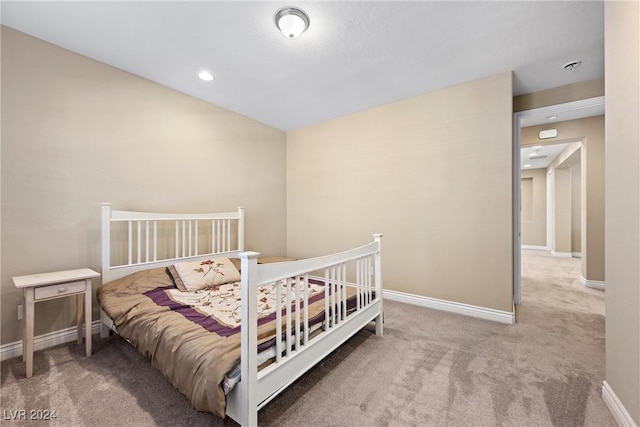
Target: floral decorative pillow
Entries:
(195, 275)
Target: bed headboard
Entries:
(134, 241)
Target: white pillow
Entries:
(195, 275)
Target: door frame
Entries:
(573, 106)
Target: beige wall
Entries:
(622, 79)
(562, 211)
(590, 132)
(592, 200)
(76, 132)
(534, 232)
(576, 208)
(433, 173)
(559, 173)
(526, 199)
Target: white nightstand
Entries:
(46, 286)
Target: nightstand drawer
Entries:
(44, 292)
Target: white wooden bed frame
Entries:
(295, 352)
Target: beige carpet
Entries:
(430, 369)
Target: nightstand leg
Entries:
(28, 330)
(24, 326)
(87, 315)
(79, 317)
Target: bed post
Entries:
(240, 229)
(378, 282)
(106, 258)
(249, 341)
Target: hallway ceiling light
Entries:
(527, 166)
(548, 133)
(292, 22)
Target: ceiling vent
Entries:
(570, 66)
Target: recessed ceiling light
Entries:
(536, 147)
(552, 117)
(206, 76)
(527, 166)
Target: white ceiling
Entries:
(539, 156)
(562, 116)
(355, 55)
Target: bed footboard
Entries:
(357, 270)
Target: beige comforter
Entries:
(194, 359)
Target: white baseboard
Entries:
(14, 349)
(534, 248)
(593, 284)
(561, 254)
(452, 307)
(576, 254)
(617, 409)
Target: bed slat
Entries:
(189, 242)
(155, 240)
(130, 243)
(177, 240)
(327, 322)
(344, 290)
(369, 270)
(278, 325)
(287, 289)
(197, 244)
(305, 285)
(218, 240)
(146, 239)
(298, 331)
(138, 241)
(184, 240)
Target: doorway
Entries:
(549, 172)
(561, 112)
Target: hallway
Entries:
(555, 283)
(570, 323)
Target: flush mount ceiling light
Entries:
(206, 76)
(292, 22)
